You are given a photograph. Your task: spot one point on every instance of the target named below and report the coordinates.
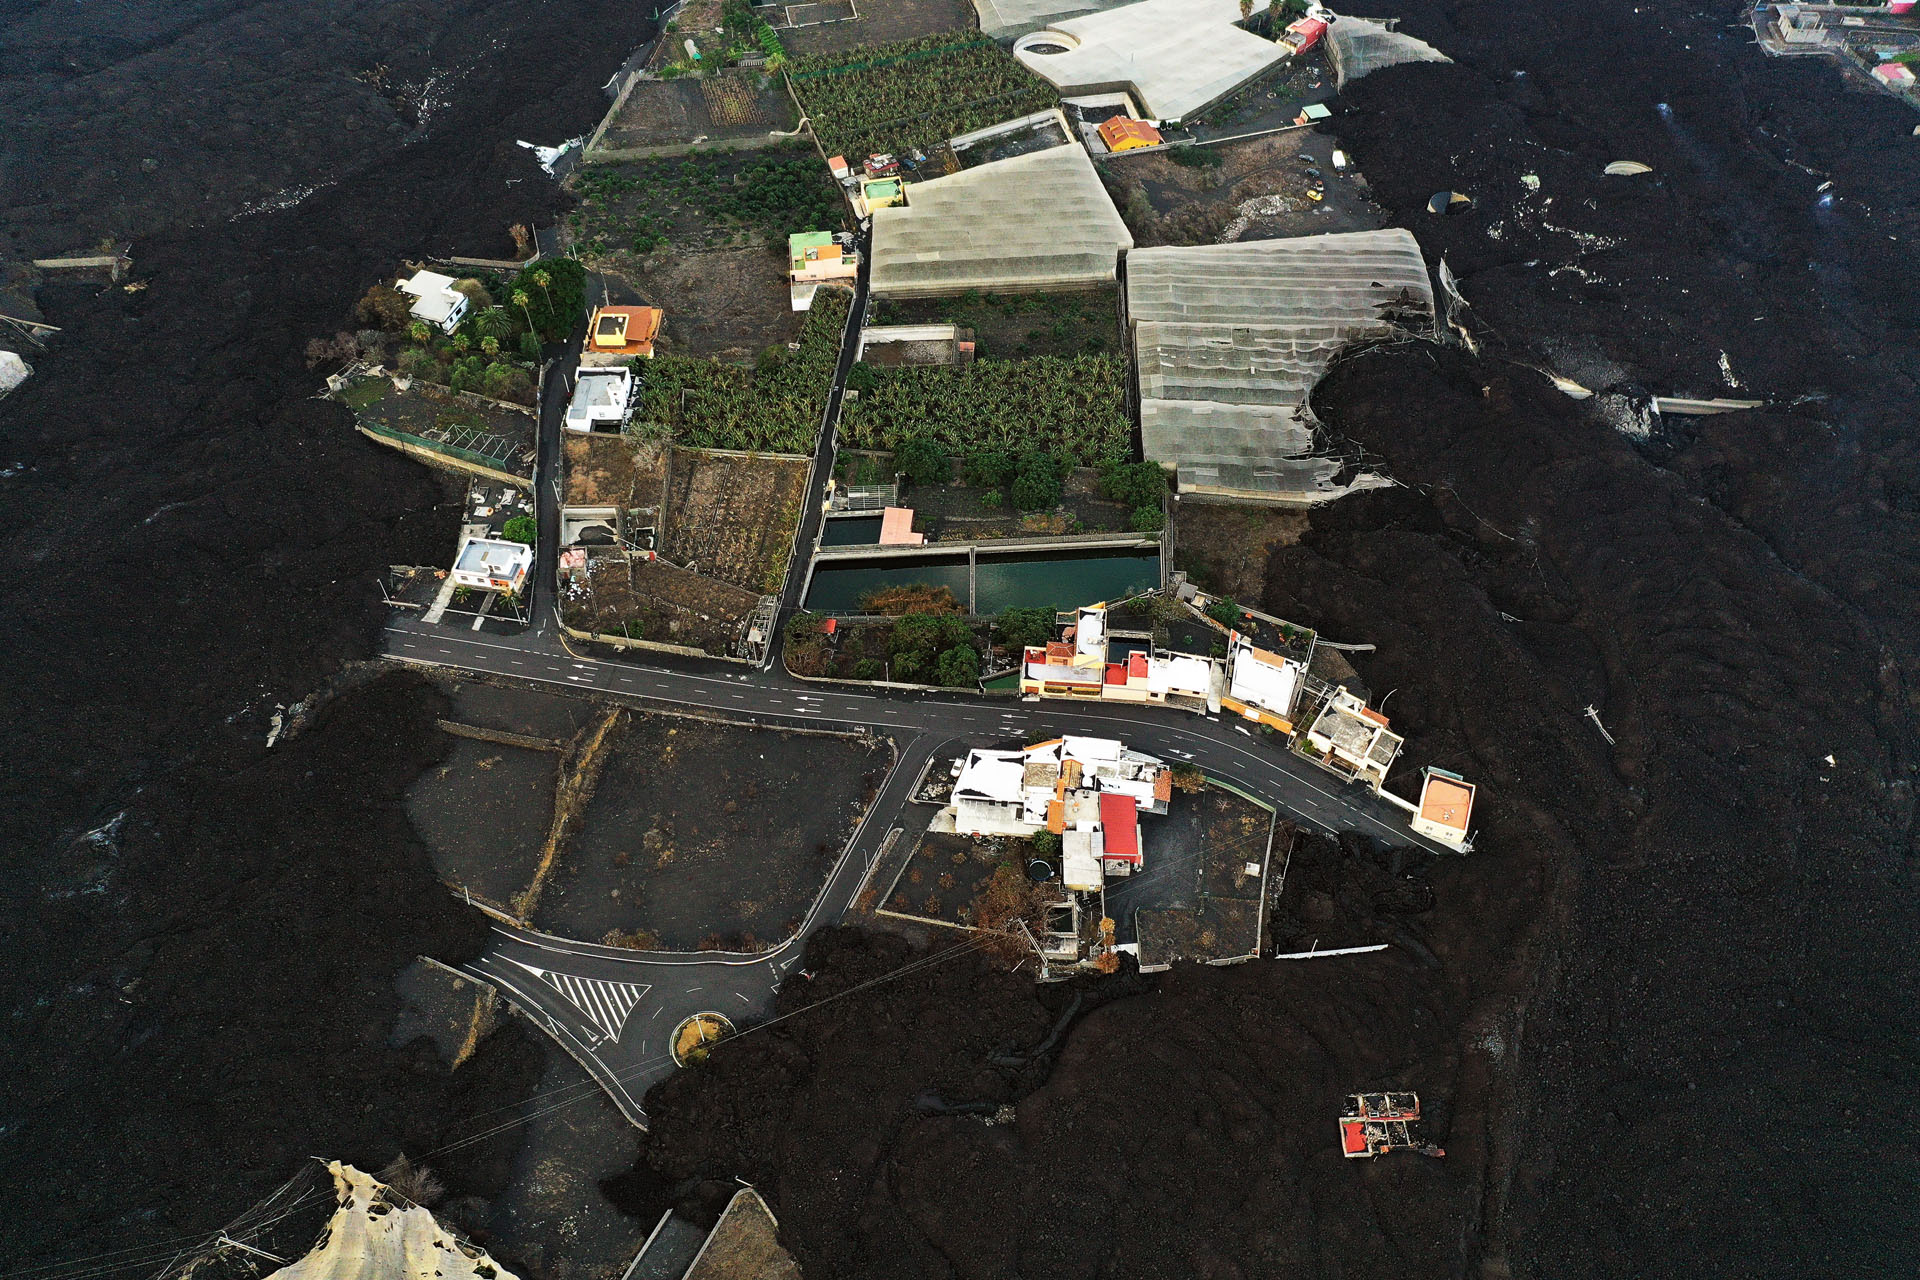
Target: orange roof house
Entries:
(1446, 808)
(1123, 133)
(624, 332)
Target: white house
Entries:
(1262, 686)
(492, 564)
(435, 300)
(1446, 808)
(601, 400)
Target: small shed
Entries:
(1895, 75)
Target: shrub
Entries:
(993, 498)
(1195, 157)
(1227, 612)
(923, 461)
(415, 363)
(384, 307)
(988, 468)
(958, 668)
(1045, 843)
(1134, 484)
(475, 293)
(1020, 627)
(1189, 779)
(869, 669)
(910, 598)
(1036, 487)
(520, 529)
(1149, 519)
(530, 347)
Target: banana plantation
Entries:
(917, 93)
(1072, 407)
(773, 408)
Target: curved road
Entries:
(612, 1008)
(615, 1009)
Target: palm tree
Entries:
(542, 279)
(419, 332)
(461, 342)
(1275, 8)
(520, 300)
(1246, 9)
(491, 346)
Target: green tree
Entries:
(491, 346)
(530, 346)
(1134, 484)
(460, 342)
(523, 300)
(923, 461)
(1226, 611)
(869, 669)
(1021, 627)
(1036, 486)
(419, 332)
(543, 279)
(519, 529)
(1045, 843)
(988, 468)
(959, 667)
(1148, 520)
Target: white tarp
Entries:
(375, 1235)
(13, 371)
(1357, 46)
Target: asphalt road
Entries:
(615, 1009)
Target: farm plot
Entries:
(734, 517)
(1019, 324)
(648, 600)
(774, 407)
(1074, 408)
(812, 29)
(917, 93)
(703, 200)
(733, 107)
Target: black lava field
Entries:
(1666, 1014)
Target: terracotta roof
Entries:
(1056, 816)
(1137, 665)
(1374, 716)
(1118, 129)
(1163, 785)
(1446, 802)
(1059, 651)
(626, 331)
(1116, 673)
(1120, 824)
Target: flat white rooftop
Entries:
(1177, 56)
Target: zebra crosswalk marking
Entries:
(605, 1004)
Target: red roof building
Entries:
(1120, 826)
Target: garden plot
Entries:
(915, 93)
(704, 201)
(701, 833)
(944, 879)
(775, 407)
(471, 430)
(721, 304)
(652, 601)
(734, 106)
(1024, 324)
(734, 517)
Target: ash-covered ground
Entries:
(1664, 1016)
(198, 936)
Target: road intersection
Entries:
(614, 1009)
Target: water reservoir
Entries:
(1057, 580)
(851, 531)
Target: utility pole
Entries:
(1594, 716)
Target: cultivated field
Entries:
(733, 517)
